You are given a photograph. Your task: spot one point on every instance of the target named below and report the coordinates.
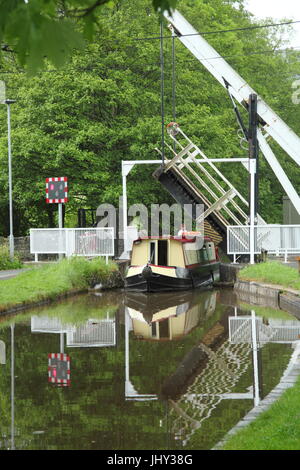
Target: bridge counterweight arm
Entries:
(240, 91)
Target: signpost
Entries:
(57, 193)
(8, 102)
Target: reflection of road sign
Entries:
(2, 352)
(2, 92)
(59, 369)
(57, 190)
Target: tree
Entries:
(52, 29)
(103, 107)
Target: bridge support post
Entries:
(253, 163)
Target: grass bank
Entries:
(278, 428)
(6, 262)
(53, 280)
(271, 272)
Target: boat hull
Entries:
(150, 281)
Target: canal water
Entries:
(117, 371)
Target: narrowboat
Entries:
(169, 263)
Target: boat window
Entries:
(162, 252)
(152, 253)
(191, 257)
(191, 253)
(203, 254)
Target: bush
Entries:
(84, 273)
(6, 262)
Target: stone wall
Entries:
(22, 247)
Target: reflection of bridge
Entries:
(215, 382)
(224, 368)
(92, 333)
(271, 330)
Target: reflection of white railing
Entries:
(94, 333)
(275, 331)
(276, 239)
(73, 241)
(44, 324)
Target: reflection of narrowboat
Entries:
(172, 263)
(170, 316)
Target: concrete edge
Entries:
(270, 295)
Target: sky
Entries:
(278, 9)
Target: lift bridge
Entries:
(193, 178)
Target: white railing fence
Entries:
(275, 239)
(98, 241)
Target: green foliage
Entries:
(51, 280)
(273, 273)
(82, 120)
(84, 273)
(40, 30)
(6, 262)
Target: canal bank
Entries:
(50, 282)
(278, 397)
(282, 298)
(32, 288)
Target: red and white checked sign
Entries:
(59, 369)
(57, 190)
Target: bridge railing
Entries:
(89, 242)
(275, 239)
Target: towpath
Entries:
(7, 274)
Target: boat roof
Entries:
(186, 237)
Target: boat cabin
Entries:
(172, 251)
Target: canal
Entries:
(116, 371)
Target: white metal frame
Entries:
(68, 241)
(127, 166)
(260, 234)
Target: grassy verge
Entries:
(52, 280)
(271, 272)
(278, 428)
(6, 262)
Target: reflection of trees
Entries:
(149, 368)
(92, 413)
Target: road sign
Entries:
(57, 190)
(59, 369)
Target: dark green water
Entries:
(158, 372)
